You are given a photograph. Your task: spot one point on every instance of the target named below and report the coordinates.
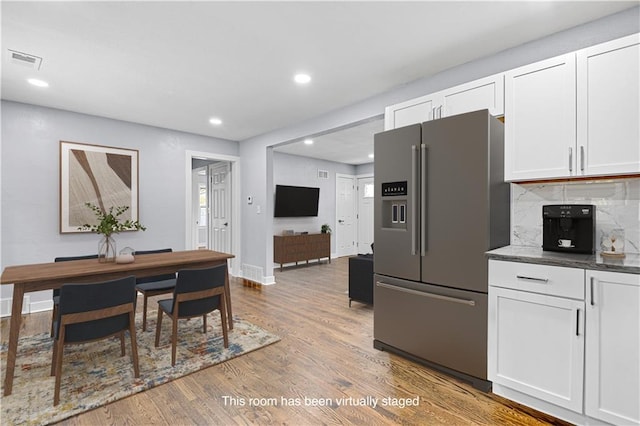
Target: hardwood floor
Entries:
(326, 352)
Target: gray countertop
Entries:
(629, 264)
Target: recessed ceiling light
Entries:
(302, 78)
(38, 83)
(308, 141)
(370, 155)
(215, 121)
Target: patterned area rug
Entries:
(95, 374)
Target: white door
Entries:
(220, 222)
(200, 207)
(345, 213)
(365, 214)
(613, 347)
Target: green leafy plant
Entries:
(325, 229)
(109, 222)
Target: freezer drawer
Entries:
(440, 325)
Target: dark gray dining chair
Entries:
(89, 312)
(197, 293)
(155, 285)
(56, 291)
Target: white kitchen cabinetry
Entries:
(409, 112)
(540, 117)
(575, 115)
(612, 391)
(608, 101)
(485, 93)
(536, 337)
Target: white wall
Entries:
(30, 167)
(257, 164)
(303, 171)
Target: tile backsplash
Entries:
(617, 204)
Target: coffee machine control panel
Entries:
(568, 211)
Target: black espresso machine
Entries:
(569, 228)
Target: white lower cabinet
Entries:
(612, 348)
(536, 341)
(560, 336)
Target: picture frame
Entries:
(101, 175)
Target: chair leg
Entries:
(122, 349)
(144, 311)
(204, 323)
(158, 326)
(54, 314)
(59, 348)
(174, 339)
(223, 320)
(134, 343)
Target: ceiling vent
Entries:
(25, 59)
(323, 174)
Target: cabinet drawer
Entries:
(543, 279)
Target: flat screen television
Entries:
(296, 201)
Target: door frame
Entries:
(234, 264)
(358, 178)
(354, 214)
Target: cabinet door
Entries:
(613, 347)
(410, 112)
(536, 345)
(540, 120)
(486, 93)
(608, 107)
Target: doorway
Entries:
(345, 215)
(213, 204)
(365, 213)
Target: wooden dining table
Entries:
(47, 276)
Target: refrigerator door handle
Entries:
(423, 200)
(424, 294)
(414, 196)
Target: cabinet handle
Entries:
(577, 322)
(424, 294)
(570, 160)
(582, 158)
(592, 284)
(542, 280)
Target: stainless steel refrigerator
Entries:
(440, 203)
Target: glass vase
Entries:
(107, 249)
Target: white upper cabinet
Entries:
(575, 115)
(409, 112)
(540, 117)
(485, 93)
(608, 81)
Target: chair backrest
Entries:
(192, 280)
(67, 258)
(161, 277)
(76, 298)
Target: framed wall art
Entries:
(101, 175)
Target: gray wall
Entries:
(30, 157)
(257, 164)
(303, 171)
